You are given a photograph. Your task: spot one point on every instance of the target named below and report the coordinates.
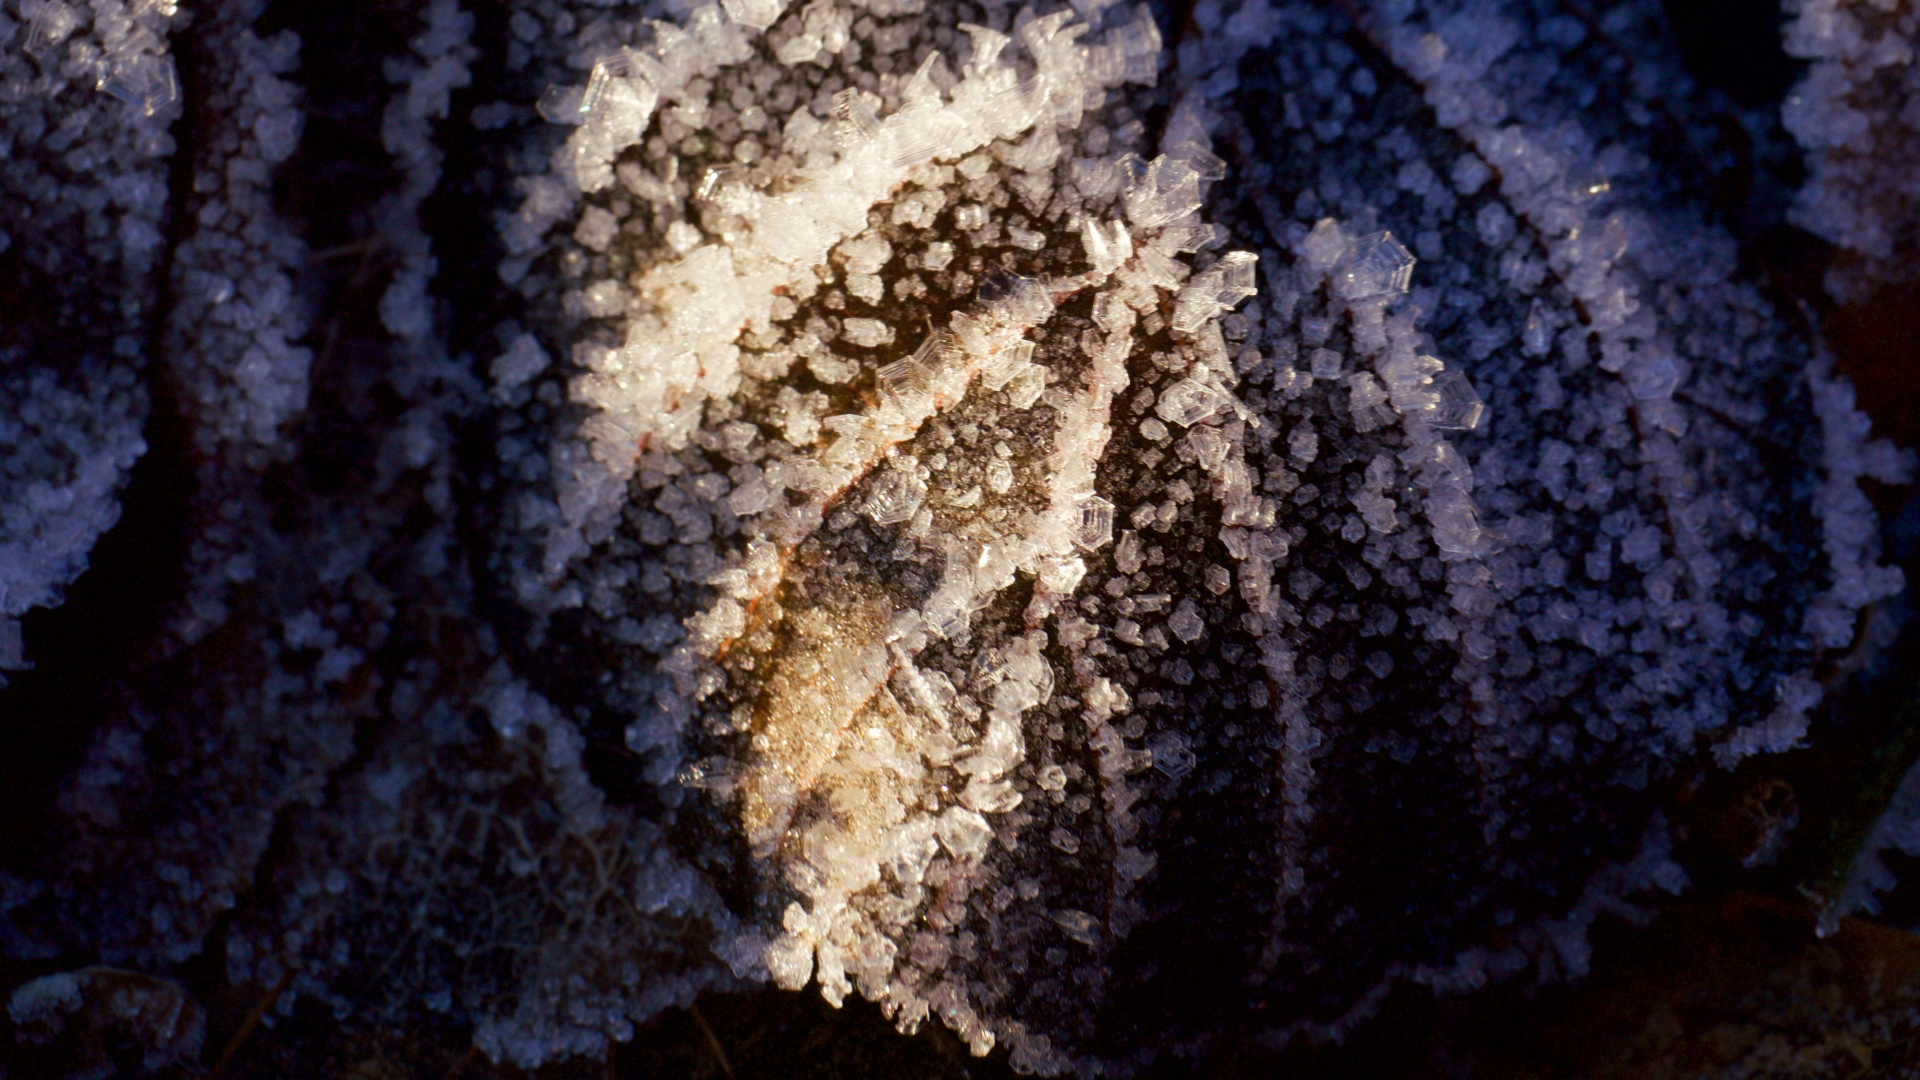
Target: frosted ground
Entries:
(1033, 517)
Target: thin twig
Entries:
(364, 246)
(713, 1042)
(232, 1049)
(460, 1066)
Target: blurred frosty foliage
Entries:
(1035, 517)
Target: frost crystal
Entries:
(1459, 407)
(1077, 925)
(48, 27)
(904, 378)
(1377, 265)
(145, 82)
(1096, 523)
(895, 498)
(1187, 403)
(1171, 754)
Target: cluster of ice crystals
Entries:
(1855, 114)
(67, 454)
(231, 340)
(86, 97)
(877, 720)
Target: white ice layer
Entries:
(1544, 182)
(96, 81)
(680, 345)
(1857, 114)
(52, 516)
(230, 343)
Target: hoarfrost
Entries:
(830, 347)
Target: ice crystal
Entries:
(1376, 265)
(1458, 407)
